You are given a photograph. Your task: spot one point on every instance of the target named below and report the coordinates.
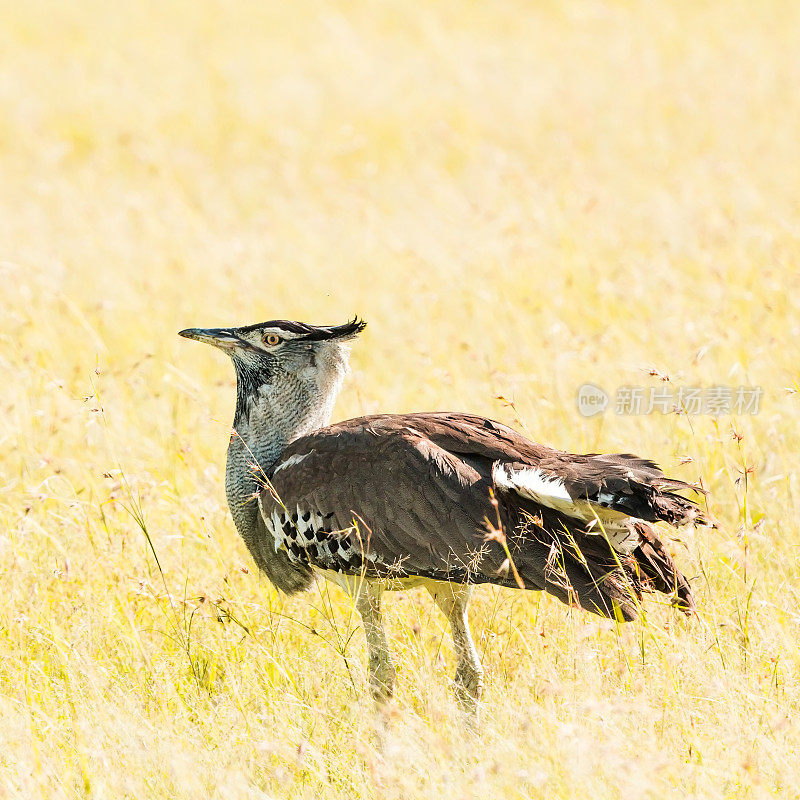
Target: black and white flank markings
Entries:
(390, 501)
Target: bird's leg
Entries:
(453, 599)
(381, 668)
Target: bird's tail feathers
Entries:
(579, 565)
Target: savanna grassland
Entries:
(519, 198)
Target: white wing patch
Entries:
(549, 491)
(291, 461)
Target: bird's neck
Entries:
(268, 417)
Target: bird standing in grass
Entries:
(442, 500)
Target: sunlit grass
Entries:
(519, 199)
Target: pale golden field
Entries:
(518, 198)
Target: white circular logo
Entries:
(591, 400)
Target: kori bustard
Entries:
(442, 500)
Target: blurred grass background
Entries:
(519, 198)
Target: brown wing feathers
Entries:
(625, 483)
(654, 568)
(420, 485)
(634, 485)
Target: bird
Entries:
(442, 500)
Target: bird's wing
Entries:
(411, 495)
(381, 498)
(609, 487)
(606, 488)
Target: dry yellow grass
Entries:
(518, 198)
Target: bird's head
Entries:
(287, 369)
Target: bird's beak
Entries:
(223, 338)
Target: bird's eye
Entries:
(272, 339)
